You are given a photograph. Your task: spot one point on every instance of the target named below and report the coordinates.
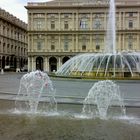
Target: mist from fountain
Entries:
(36, 88)
(101, 96)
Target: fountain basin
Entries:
(67, 124)
(107, 65)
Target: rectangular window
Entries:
(4, 47)
(65, 46)
(39, 15)
(130, 45)
(52, 25)
(39, 24)
(130, 24)
(83, 47)
(8, 48)
(83, 24)
(39, 45)
(130, 14)
(97, 47)
(66, 25)
(52, 47)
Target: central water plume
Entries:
(101, 96)
(36, 88)
(110, 46)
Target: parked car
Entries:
(24, 69)
(9, 68)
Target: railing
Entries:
(76, 3)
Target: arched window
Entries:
(39, 63)
(65, 59)
(53, 64)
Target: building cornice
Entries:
(81, 4)
(12, 19)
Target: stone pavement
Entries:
(9, 84)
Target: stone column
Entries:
(46, 64)
(59, 63)
(29, 64)
(33, 63)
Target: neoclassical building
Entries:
(13, 41)
(61, 29)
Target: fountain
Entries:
(37, 95)
(108, 64)
(36, 87)
(101, 96)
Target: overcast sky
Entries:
(16, 7)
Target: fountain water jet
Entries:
(107, 64)
(101, 96)
(36, 87)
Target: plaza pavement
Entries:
(69, 88)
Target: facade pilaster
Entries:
(59, 42)
(77, 22)
(59, 20)
(46, 21)
(138, 42)
(46, 43)
(32, 44)
(119, 42)
(73, 23)
(119, 24)
(123, 41)
(138, 21)
(76, 43)
(105, 21)
(90, 47)
(123, 27)
(91, 21)
(32, 26)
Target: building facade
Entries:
(13, 42)
(61, 29)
